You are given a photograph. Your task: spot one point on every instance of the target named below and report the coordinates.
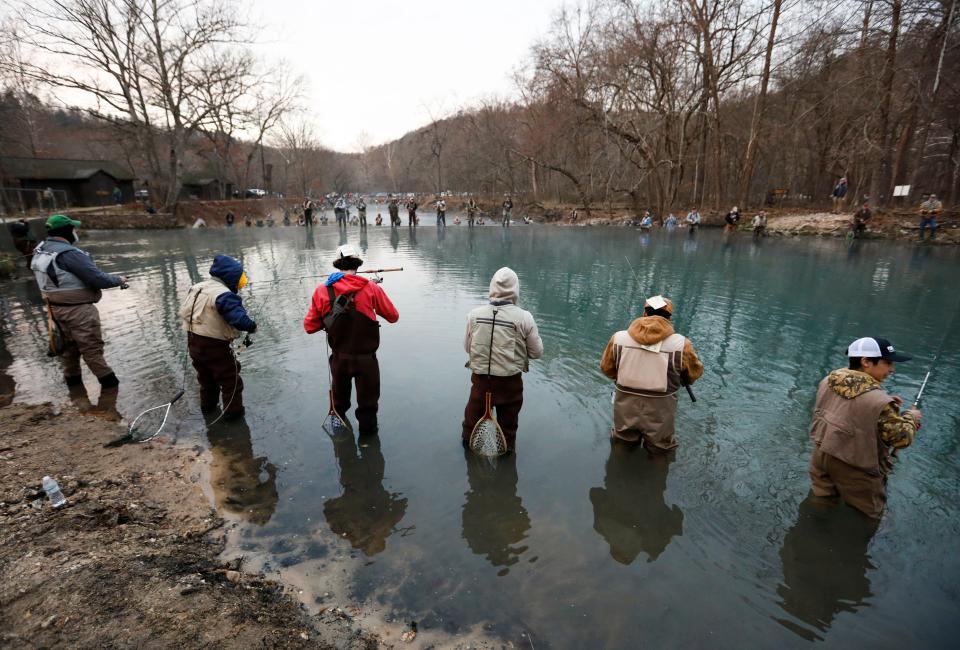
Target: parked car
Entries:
(254, 193)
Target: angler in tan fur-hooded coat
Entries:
(649, 363)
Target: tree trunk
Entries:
(759, 108)
(955, 161)
(881, 176)
(177, 144)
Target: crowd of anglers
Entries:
(856, 425)
(314, 212)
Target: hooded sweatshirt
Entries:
(526, 342)
(648, 330)
(212, 308)
(230, 304)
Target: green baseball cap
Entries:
(60, 221)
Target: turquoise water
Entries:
(572, 543)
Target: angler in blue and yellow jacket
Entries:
(213, 315)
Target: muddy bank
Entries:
(121, 217)
(215, 212)
(884, 225)
(134, 558)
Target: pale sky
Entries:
(380, 67)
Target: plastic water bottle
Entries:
(53, 492)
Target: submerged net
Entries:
(487, 438)
(335, 423)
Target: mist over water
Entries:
(572, 542)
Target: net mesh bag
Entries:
(487, 438)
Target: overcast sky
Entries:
(379, 66)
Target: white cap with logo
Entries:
(875, 348)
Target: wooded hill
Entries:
(660, 104)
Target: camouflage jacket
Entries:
(895, 429)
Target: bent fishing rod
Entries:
(684, 380)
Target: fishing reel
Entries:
(246, 343)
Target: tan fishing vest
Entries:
(648, 370)
(497, 347)
(199, 311)
(847, 428)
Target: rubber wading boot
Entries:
(109, 381)
(75, 380)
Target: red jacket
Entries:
(370, 300)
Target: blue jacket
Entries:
(230, 305)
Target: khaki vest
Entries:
(507, 356)
(648, 370)
(199, 311)
(847, 428)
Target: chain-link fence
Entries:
(18, 200)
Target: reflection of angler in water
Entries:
(366, 514)
(494, 519)
(825, 563)
(242, 483)
(8, 386)
(629, 510)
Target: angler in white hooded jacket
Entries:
(501, 338)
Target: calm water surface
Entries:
(571, 542)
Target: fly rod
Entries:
(936, 357)
(683, 379)
(326, 275)
(916, 402)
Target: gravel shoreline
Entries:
(134, 558)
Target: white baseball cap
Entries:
(348, 250)
(875, 348)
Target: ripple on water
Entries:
(556, 543)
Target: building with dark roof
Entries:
(203, 189)
(85, 182)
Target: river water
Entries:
(571, 543)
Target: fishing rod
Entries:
(936, 357)
(325, 275)
(916, 402)
(683, 380)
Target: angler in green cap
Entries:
(71, 285)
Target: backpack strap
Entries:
(338, 305)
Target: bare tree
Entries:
(760, 106)
(153, 62)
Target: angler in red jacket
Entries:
(353, 333)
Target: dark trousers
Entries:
(507, 400)
(218, 373)
(364, 369)
(442, 218)
(928, 222)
